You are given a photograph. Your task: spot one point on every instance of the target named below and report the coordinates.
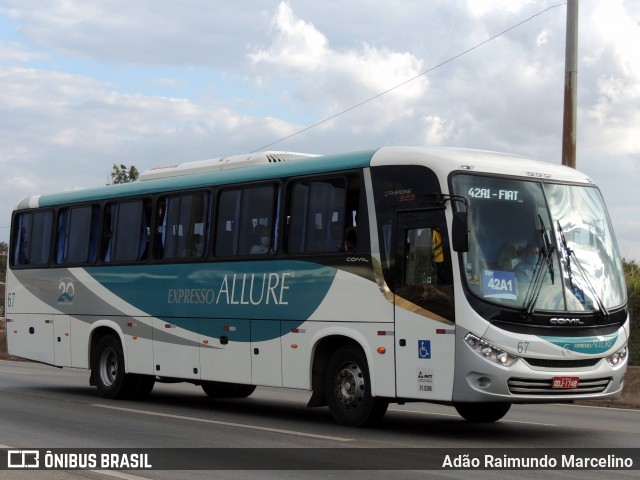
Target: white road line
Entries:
(458, 416)
(15, 372)
(531, 423)
(122, 475)
(226, 424)
(597, 406)
(109, 473)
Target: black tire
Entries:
(108, 367)
(143, 384)
(227, 390)
(347, 387)
(482, 412)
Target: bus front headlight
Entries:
(490, 352)
(618, 357)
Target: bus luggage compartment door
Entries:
(31, 336)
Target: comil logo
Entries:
(23, 459)
(566, 321)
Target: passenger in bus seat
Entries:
(197, 245)
(264, 237)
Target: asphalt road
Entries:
(43, 407)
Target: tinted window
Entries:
(77, 240)
(246, 221)
(322, 217)
(125, 231)
(31, 239)
(181, 226)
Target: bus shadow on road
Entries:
(287, 413)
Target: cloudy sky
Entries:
(84, 84)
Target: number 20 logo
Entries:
(67, 290)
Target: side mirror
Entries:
(460, 231)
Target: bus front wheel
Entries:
(348, 389)
(482, 412)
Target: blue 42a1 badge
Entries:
(499, 284)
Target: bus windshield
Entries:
(540, 246)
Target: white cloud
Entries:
(297, 45)
(338, 79)
(483, 7)
(619, 35)
(438, 130)
(15, 52)
(144, 32)
(610, 93)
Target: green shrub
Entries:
(632, 277)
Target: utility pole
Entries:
(570, 86)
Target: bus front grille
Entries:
(530, 386)
(571, 364)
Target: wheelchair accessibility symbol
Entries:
(424, 348)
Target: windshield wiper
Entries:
(568, 254)
(533, 292)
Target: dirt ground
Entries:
(630, 394)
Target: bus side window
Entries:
(246, 221)
(319, 216)
(227, 223)
(424, 257)
(32, 238)
(257, 220)
(182, 226)
(125, 231)
(77, 240)
(108, 227)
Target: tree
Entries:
(632, 277)
(122, 174)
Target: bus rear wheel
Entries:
(348, 389)
(142, 386)
(108, 368)
(482, 412)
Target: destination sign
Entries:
(508, 195)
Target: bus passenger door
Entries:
(423, 307)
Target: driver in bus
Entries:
(525, 269)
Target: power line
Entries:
(426, 72)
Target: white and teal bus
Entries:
(461, 277)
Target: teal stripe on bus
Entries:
(587, 345)
(250, 290)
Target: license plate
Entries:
(565, 382)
